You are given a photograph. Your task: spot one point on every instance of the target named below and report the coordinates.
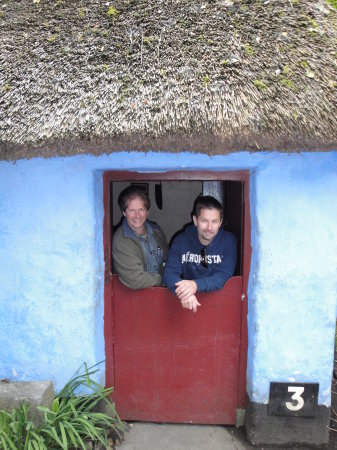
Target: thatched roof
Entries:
(91, 76)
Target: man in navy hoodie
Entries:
(203, 257)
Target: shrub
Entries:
(72, 422)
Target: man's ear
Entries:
(124, 214)
(195, 220)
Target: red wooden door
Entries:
(171, 365)
(167, 364)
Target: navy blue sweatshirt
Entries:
(184, 260)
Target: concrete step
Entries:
(155, 436)
(36, 393)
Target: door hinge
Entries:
(243, 297)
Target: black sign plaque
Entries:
(293, 399)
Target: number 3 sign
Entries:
(293, 399)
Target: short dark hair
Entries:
(131, 193)
(206, 201)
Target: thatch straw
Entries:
(211, 76)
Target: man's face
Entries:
(208, 224)
(136, 214)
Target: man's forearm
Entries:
(140, 281)
(170, 278)
(213, 282)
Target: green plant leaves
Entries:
(72, 421)
(55, 405)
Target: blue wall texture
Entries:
(51, 259)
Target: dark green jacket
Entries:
(129, 258)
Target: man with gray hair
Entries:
(139, 247)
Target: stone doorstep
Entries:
(36, 393)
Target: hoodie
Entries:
(184, 260)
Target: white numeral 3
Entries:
(296, 397)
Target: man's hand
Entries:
(190, 303)
(186, 288)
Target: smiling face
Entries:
(208, 224)
(136, 215)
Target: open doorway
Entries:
(172, 204)
(150, 342)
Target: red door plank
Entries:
(171, 365)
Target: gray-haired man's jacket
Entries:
(129, 258)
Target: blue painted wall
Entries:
(51, 259)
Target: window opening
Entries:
(171, 205)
